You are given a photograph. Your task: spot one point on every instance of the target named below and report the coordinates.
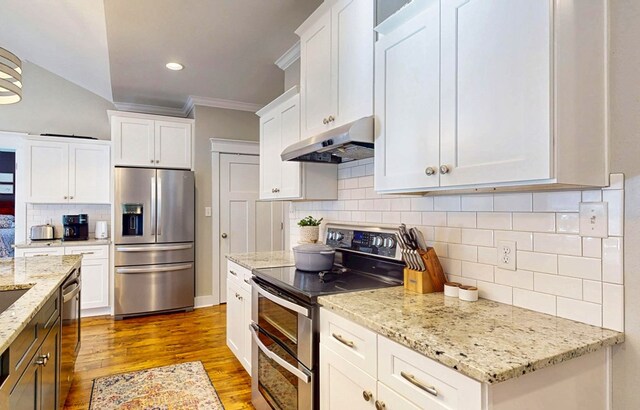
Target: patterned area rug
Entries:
(176, 387)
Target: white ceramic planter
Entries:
(309, 234)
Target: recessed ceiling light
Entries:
(175, 66)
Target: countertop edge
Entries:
(4, 344)
(280, 261)
(469, 371)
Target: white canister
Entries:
(102, 230)
(451, 289)
(468, 293)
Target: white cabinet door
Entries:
(172, 144)
(133, 141)
(270, 162)
(235, 335)
(244, 325)
(44, 251)
(89, 173)
(48, 180)
(95, 283)
(316, 77)
(290, 177)
(352, 60)
(390, 400)
(343, 385)
(496, 91)
(408, 104)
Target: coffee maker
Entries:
(75, 227)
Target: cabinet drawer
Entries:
(428, 383)
(353, 342)
(88, 252)
(240, 274)
(44, 251)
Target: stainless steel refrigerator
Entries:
(154, 241)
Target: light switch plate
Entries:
(594, 219)
(207, 211)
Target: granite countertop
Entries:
(42, 275)
(488, 341)
(59, 242)
(257, 260)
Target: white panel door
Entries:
(343, 385)
(239, 189)
(133, 141)
(316, 77)
(352, 38)
(496, 91)
(270, 162)
(408, 104)
(172, 144)
(95, 283)
(290, 178)
(89, 173)
(48, 180)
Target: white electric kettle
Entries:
(101, 232)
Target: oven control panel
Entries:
(371, 241)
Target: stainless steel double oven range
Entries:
(285, 313)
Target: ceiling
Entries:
(118, 48)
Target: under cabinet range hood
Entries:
(348, 142)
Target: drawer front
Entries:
(353, 342)
(45, 251)
(390, 400)
(240, 275)
(429, 384)
(89, 252)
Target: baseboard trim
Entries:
(204, 301)
(95, 312)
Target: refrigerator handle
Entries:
(159, 205)
(153, 206)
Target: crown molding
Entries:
(194, 100)
(151, 109)
(289, 56)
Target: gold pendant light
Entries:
(10, 77)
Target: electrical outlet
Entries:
(207, 211)
(507, 255)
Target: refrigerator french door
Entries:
(154, 237)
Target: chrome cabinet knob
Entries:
(380, 405)
(70, 197)
(157, 161)
(325, 121)
(224, 236)
(65, 197)
(331, 118)
(152, 161)
(444, 169)
(43, 359)
(367, 395)
(430, 171)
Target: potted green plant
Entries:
(309, 229)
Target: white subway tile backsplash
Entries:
(446, 203)
(479, 237)
(579, 267)
(612, 261)
(558, 271)
(540, 302)
(461, 219)
(534, 222)
(536, 261)
(557, 285)
(477, 203)
(559, 201)
(580, 311)
(613, 306)
(513, 202)
(557, 243)
(494, 220)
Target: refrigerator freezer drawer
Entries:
(144, 289)
(127, 255)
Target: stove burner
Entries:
(336, 270)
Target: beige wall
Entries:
(292, 75)
(51, 104)
(213, 123)
(625, 157)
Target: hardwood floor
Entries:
(110, 347)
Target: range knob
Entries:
(377, 241)
(331, 236)
(389, 242)
(338, 236)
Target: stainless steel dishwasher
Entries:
(70, 334)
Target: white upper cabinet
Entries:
(141, 140)
(336, 65)
(68, 172)
(279, 128)
(476, 94)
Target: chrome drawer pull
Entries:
(247, 282)
(233, 273)
(342, 340)
(412, 379)
(43, 359)
(87, 253)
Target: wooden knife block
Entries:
(428, 281)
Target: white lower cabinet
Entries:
(239, 313)
(344, 385)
